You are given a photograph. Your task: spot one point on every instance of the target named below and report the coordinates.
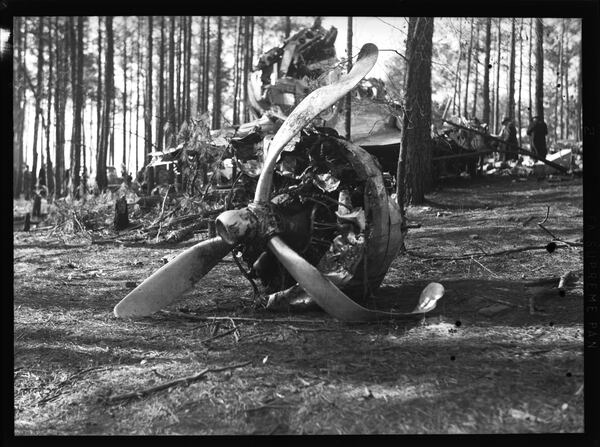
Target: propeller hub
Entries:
(235, 226)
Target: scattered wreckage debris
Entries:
(489, 140)
(321, 218)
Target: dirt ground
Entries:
(479, 363)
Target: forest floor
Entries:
(479, 363)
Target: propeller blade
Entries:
(330, 298)
(308, 109)
(170, 281)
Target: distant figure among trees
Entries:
(509, 135)
(538, 130)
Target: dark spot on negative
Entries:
(569, 374)
(454, 358)
(458, 323)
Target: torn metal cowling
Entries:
(333, 191)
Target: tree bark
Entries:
(237, 70)
(520, 79)
(476, 80)
(171, 86)
(216, 121)
(161, 88)
(486, 73)
(187, 66)
(497, 103)
(101, 180)
(557, 91)
(510, 106)
(288, 27)
(200, 83)
(206, 66)
(99, 96)
(148, 109)
(18, 109)
(178, 86)
(51, 87)
(530, 108)
(567, 64)
(60, 103)
(457, 80)
(124, 161)
(469, 54)
(76, 142)
(249, 54)
(539, 68)
(349, 68)
(137, 94)
(579, 96)
(561, 61)
(416, 131)
(38, 94)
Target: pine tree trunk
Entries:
(476, 80)
(49, 170)
(557, 90)
(469, 55)
(124, 103)
(137, 95)
(249, 47)
(288, 27)
(530, 108)
(520, 79)
(497, 103)
(83, 179)
(77, 89)
(60, 106)
(457, 80)
(567, 115)
(237, 70)
(216, 121)
(207, 65)
(18, 110)
(349, 68)
(188, 72)
(510, 106)
(178, 86)
(560, 82)
(99, 96)
(200, 83)
(101, 180)
(416, 138)
(112, 130)
(38, 110)
(579, 96)
(486, 72)
(161, 89)
(183, 46)
(539, 68)
(171, 87)
(148, 109)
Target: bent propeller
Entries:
(236, 226)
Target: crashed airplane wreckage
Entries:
(321, 228)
